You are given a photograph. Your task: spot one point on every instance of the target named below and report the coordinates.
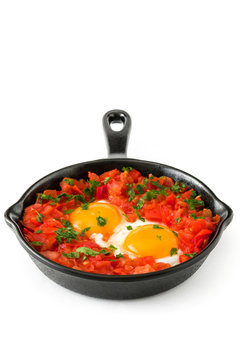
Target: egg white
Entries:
(121, 232)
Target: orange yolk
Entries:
(147, 241)
(100, 217)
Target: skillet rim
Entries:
(13, 212)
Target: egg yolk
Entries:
(149, 241)
(100, 217)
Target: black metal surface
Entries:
(117, 286)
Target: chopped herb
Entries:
(68, 211)
(84, 206)
(127, 168)
(87, 251)
(112, 260)
(69, 181)
(173, 251)
(105, 251)
(193, 194)
(159, 237)
(130, 192)
(175, 233)
(157, 227)
(140, 203)
(183, 185)
(145, 182)
(90, 191)
(126, 216)
(38, 231)
(58, 198)
(138, 215)
(84, 258)
(151, 194)
(106, 180)
(193, 203)
(157, 184)
(178, 196)
(67, 233)
(84, 230)
(176, 187)
(37, 243)
(39, 217)
(190, 255)
(119, 256)
(177, 220)
(129, 227)
(162, 189)
(79, 198)
(195, 217)
(66, 223)
(71, 255)
(101, 221)
(140, 188)
(112, 247)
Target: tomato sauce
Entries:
(157, 199)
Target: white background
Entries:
(174, 66)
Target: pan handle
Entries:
(117, 140)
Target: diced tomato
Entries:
(44, 220)
(102, 192)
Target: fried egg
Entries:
(135, 239)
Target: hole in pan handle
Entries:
(117, 140)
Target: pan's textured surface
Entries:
(117, 286)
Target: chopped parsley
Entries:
(90, 190)
(130, 192)
(87, 251)
(140, 203)
(37, 243)
(68, 211)
(127, 168)
(176, 187)
(84, 206)
(106, 180)
(84, 230)
(55, 200)
(140, 188)
(119, 256)
(72, 255)
(126, 216)
(138, 215)
(175, 233)
(69, 181)
(193, 194)
(157, 227)
(193, 203)
(112, 247)
(177, 220)
(129, 227)
(83, 250)
(67, 232)
(195, 217)
(190, 255)
(105, 251)
(101, 221)
(159, 237)
(145, 182)
(38, 231)
(39, 217)
(157, 184)
(173, 251)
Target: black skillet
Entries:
(117, 286)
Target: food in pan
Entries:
(119, 223)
